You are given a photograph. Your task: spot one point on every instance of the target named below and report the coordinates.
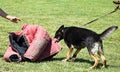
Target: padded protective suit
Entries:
(31, 43)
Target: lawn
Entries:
(51, 14)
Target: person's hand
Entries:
(13, 19)
(117, 3)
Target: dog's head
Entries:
(59, 33)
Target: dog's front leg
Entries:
(68, 54)
(75, 54)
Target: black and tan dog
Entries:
(79, 38)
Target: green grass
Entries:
(53, 13)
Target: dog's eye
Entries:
(59, 33)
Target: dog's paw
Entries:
(73, 59)
(92, 67)
(64, 60)
(104, 66)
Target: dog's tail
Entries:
(104, 35)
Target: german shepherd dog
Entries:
(76, 37)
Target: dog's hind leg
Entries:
(95, 57)
(75, 54)
(103, 59)
(101, 53)
(68, 54)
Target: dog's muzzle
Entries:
(57, 39)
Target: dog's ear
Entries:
(61, 27)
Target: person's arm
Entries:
(2, 13)
(9, 17)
